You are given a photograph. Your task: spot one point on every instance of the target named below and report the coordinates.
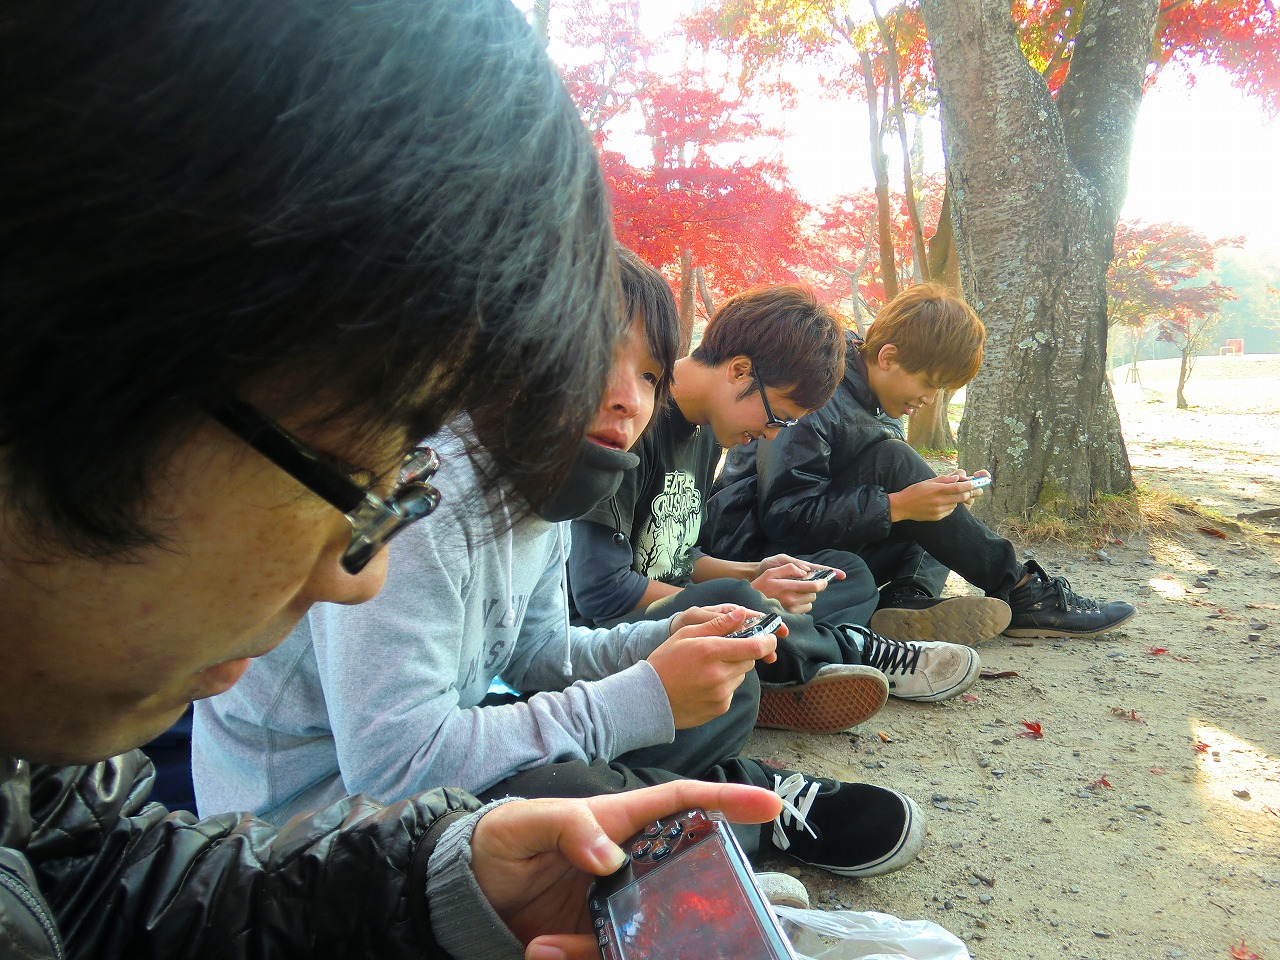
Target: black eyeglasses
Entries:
(374, 520)
(768, 411)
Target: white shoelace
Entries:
(796, 801)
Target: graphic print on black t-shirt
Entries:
(664, 547)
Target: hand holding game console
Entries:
(535, 860)
(686, 890)
(787, 580)
(702, 664)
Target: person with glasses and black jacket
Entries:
(251, 253)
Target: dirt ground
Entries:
(1146, 821)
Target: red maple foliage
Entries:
(680, 194)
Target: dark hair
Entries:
(391, 210)
(935, 331)
(645, 289)
(795, 343)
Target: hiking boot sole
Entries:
(967, 621)
(837, 698)
(1034, 632)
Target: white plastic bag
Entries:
(867, 936)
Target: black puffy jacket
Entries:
(89, 868)
(792, 494)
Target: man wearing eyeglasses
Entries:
(768, 357)
(251, 252)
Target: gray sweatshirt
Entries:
(384, 698)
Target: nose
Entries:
(622, 395)
(928, 398)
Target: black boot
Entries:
(1046, 606)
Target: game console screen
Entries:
(699, 911)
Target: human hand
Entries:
(535, 859)
(700, 667)
(785, 583)
(933, 499)
(699, 615)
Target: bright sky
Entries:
(1204, 156)
(1207, 157)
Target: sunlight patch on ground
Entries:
(1237, 775)
(1180, 555)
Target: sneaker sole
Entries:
(1034, 632)
(783, 890)
(825, 704)
(967, 621)
(904, 851)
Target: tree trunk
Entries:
(1184, 371)
(542, 20)
(929, 428)
(1035, 196)
(880, 167)
(704, 292)
(920, 265)
(686, 301)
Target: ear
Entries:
(738, 368)
(887, 357)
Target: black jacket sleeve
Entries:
(805, 501)
(127, 879)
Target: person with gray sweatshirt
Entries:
(394, 696)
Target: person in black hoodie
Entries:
(844, 479)
(248, 254)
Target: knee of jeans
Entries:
(898, 461)
(732, 590)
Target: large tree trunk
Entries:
(1035, 196)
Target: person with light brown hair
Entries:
(845, 479)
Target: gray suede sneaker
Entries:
(923, 671)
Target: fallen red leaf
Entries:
(970, 698)
(1158, 771)
(1213, 532)
(1201, 746)
(1032, 732)
(997, 674)
(1156, 651)
(1244, 953)
(1102, 781)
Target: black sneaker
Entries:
(925, 671)
(918, 616)
(1046, 606)
(853, 829)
